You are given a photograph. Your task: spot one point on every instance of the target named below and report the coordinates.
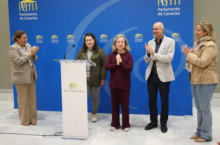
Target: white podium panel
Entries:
(74, 100)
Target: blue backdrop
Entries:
(55, 25)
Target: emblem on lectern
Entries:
(74, 86)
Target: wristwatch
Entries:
(120, 61)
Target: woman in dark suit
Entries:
(120, 64)
(24, 75)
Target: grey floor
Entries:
(180, 129)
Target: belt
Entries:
(153, 71)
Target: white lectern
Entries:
(74, 98)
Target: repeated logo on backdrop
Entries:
(168, 2)
(139, 38)
(28, 10)
(122, 35)
(39, 39)
(27, 5)
(168, 7)
(103, 38)
(70, 39)
(54, 39)
(176, 36)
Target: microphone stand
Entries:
(68, 50)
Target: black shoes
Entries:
(163, 128)
(150, 126)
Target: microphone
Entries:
(68, 50)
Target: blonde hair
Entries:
(127, 48)
(207, 27)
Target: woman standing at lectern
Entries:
(24, 75)
(96, 75)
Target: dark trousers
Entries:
(120, 96)
(154, 84)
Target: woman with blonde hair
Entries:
(120, 64)
(201, 63)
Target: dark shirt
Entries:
(156, 51)
(120, 75)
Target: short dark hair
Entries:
(18, 34)
(95, 47)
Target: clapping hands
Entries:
(34, 50)
(149, 49)
(186, 50)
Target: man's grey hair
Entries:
(161, 24)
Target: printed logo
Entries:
(74, 86)
(28, 10)
(54, 39)
(27, 5)
(165, 8)
(122, 35)
(70, 39)
(39, 39)
(168, 2)
(139, 38)
(103, 38)
(176, 36)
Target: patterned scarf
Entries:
(196, 47)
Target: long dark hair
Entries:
(95, 47)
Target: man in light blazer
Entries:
(159, 74)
